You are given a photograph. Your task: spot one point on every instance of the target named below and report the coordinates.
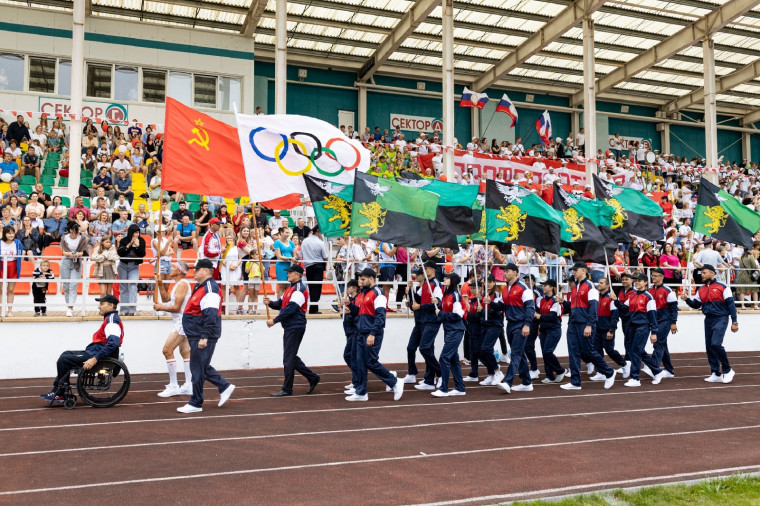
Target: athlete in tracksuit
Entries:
(519, 309)
(416, 336)
(642, 310)
(606, 325)
(474, 332)
(717, 305)
(626, 279)
(530, 343)
(667, 316)
(349, 328)
(492, 324)
(549, 318)
(430, 302)
(584, 300)
(452, 317)
(369, 309)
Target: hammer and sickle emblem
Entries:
(201, 138)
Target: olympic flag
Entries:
(278, 149)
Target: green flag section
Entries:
(587, 228)
(478, 223)
(332, 205)
(388, 211)
(723, 217)
(515, 215)
(635, 213)
(454, 214)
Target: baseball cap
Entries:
(295, 268)
(214, 221)
(204, 263)
(108, 298)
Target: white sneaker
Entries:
(570, 386)
(729, 376)
(455, 392)
(714, 378)
(562, 376)
(387, 388)
(187, 408)
(410, 378)
(522, 388)
(469, 378)
(504, 387)
(186, 389)
(632, 383)
(398, 390)
(424, 386)
(69, 313)
(349, 386)
(350, 391)
(504, 358)
(608, 382)
(657, 378)
(439, 393)
(535, 374)
(225, 395)
(598, 377)
(438, 382)
(547, 380)
(589, 369)
(667, 374)
(170, 391)
(357, 398)
(627, 369)
(646, 370)
(488, 381)
(498, 377)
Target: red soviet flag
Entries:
(201, 154)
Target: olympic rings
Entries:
(314, 137)
(324, 172)
(356, 150)
(259, 153)
(278, 157)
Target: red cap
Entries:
(214, 221)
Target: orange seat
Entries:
(328, 289)
(189, 256)
(147, 240)
(147, 271)
(52, 288)
(52, 251)
(22, 288)
(448, 268)
(27, 269)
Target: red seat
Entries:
(22, 288)
(52, 252)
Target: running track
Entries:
(483, 448)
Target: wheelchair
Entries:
(103, 386)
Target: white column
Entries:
(77, 88)
(711, 122)
(589, 96)
(575, 123)
(448, 86)
(474, 123)
(746, 146)
(665, 138)
(362, 102)
(281, 57)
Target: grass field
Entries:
(734, 491)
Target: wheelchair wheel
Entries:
(70, 402)
(104, 385)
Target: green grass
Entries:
(733, 490)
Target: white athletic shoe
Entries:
(187, 408)
(349, 386)
(398, 390)
(410, 378)
(186, 389)
(498, 377)
(69, 313)
(714, 378)
(439, 393)
(387, 388)
(357, 398)
(455, 392)
(657, 378)
(225, 395)
(627, 369)
(729, 376)
(547, 380)
(424, 386)
(504, 358)
(504, 387)
(350, 391)
(535, 374)
(646, 370)
(562, 376)
(632, 383)
(589, 368)
(522, 388)
(608, 382)
(469, 378)
(488, 381)
(438, 382)
(170, 391)
(570, 386)
(667, 374)
(598, 377)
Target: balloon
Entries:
(443, 177)
(6, 177)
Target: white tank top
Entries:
(172, 300)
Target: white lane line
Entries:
(497, 399)
(636, 482)
(616, 439)
(372, 429)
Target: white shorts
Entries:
(178, 326)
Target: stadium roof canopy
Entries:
(647, 51)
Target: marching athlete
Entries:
(667, 317)
(530, 343)
(414, 300)
(626, 279)
(519, 309)
(492, 324)
(606, 325)
(549, 318)
(349, 328)
(474, 331)
(452, 316)
(430, 302)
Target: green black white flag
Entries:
(332, 205)
(721, 216)
(635, 213)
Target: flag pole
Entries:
(607, 264)
(485, 275)
(330, 267)
(424, 273)
(156, 291)
(489, 123)
(261, 264)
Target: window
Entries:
(98, 81)
(154, 86)
(181, 87)
(41, 74)
(205, 91)
(229, 93)
(11, 72)
(64, 78)
(125, 83)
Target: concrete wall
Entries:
(249, 344)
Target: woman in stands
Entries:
(84, 225)
(73, 246)
(284, 250)
(232, 274)
(11, 251)
(30, 238)
(6, 220)
(16, 210)
(131, 252)
(105, 257)
(251, 268)
(57, 204)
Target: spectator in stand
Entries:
(123, 223)
(30, 164)
(231, 267)
(90, 143)
(134, 131)
(44, 198)
(102, 180)
(18, 131)
(15, 210)
(89, 161)
(225, 220)
(163, 215)
(251, 269)
(89, 128)
(162, 247)
(671, 265)
(84, 225)
(11, 251)
(315, 255)
(123, 186)
(185, 235)
(238, 217)
(7, 220)
(55, 227)
(211, 247)
(302, 231)
(34, 204)
(52, 142)
(9, 167)
(105, 257)
(100, 201)
(42, 275)
(131, 252)
(180, 212)
(14, 191)
(31, 239)
(100, 227)
(78, 206)
(73, 247)
(202, 216)
(121, 162)
(276, 222)
(284, 250)
(214, 203)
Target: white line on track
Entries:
(500, 398)
(381, 428)
(378, 460)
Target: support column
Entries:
(711, 121)
(575, 123)
(746, 146)
(448, 86)
(665, 139)
(474, 123)
(281, 57)
(77, 88)
(589, 96)
(362, 102)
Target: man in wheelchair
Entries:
(105, 343)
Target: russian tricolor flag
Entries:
(506, 106)
(472, 99)
(544, 128)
